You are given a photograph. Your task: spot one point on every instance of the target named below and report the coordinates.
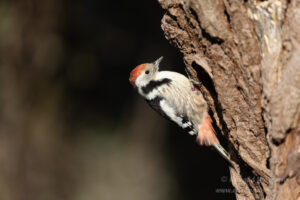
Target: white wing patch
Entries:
(184, 125)
(192, 132)
(152, 94)
(170, 112)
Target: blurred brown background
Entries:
(71, 126)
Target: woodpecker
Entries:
(173, 96)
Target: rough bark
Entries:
(244, 56)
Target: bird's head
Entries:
(144, 73)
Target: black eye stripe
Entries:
(147, 72)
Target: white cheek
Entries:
(141, 81)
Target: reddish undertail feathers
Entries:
(206, 133)
(207, 136)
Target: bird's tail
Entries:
(222, 152)
(207, 136)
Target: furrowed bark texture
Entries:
(245, 57)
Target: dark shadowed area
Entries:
(71, 125)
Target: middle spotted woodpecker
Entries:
(172, 95)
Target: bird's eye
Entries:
(147, 72)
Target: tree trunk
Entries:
(245, 58)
